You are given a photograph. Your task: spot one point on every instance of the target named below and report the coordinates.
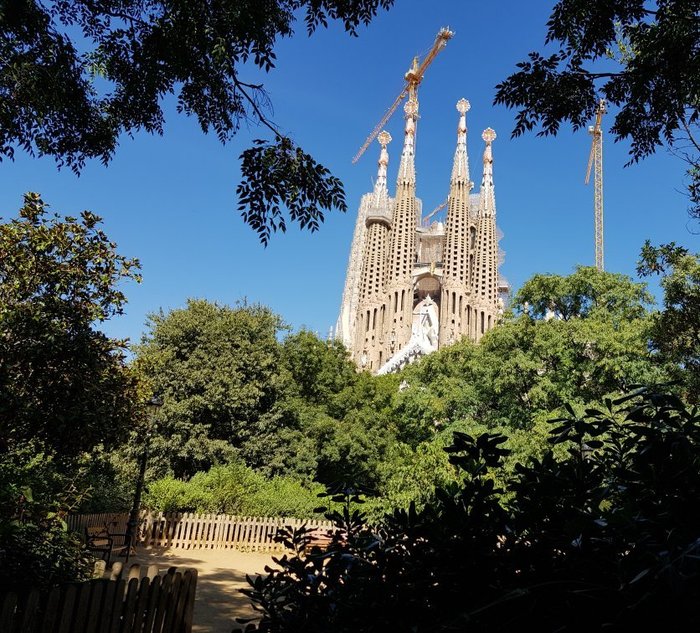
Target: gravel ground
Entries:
(221, 573)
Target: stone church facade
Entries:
(413, 286)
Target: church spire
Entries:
(488, 198)
(457, 254)
(485, 282)
(407, 169)
(381, 194)
(460, 167)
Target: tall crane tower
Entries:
(413, 78)
(595, 160)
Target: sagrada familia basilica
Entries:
(412, 286)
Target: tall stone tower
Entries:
(412, 287)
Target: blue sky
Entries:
(170, 201)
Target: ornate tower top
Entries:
(488, 199)
(460, 167)
(407, 167)
(489, 135)
(380, 189)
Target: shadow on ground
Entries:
(221, 574)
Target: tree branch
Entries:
(691, 138)
(263, 119)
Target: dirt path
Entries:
(220, 574)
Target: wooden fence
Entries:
(207, 531)
(152, 604)
(217, 531)
(115, 522)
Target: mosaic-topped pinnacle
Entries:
(384, 138)
(489, 135)
(463, 106)
(410, 108)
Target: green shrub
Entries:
(233, 489)
(599, 535)
(284, 497)
(168, 495)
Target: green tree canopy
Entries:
(218, 371)
(643, 57)
(586, 292)
(676, 329)
(77, 75)
(63, 383)
(319, 370)
(594, 343)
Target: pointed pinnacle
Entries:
(489, 135)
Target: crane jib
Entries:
(413, 78)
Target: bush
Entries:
(284, 497)
(40, 555)
(233, 489)
(603, 536)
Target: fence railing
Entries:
(150, 604)
(207, 531)
(115, 522)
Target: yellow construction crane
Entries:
(413, 78)
(426, 219)
(596, 159)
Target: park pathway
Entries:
(221, 572)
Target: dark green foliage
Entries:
(77, 75)
(603, 537)
(63, 382)
(640, 56)
(283, 175)
(36, 549)
(676, 330)
(65, 392)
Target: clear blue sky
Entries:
(170, 201)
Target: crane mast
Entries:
(595, 161)
(413, 77)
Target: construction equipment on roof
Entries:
(427, 218)
(413, 77)
(595, 161)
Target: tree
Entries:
(676, 329)
(586, 292)
(65, 391)
(77, 75)
(654, 50)
(573, 338)
(218, 371)
(63, 383)
(319, 369)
